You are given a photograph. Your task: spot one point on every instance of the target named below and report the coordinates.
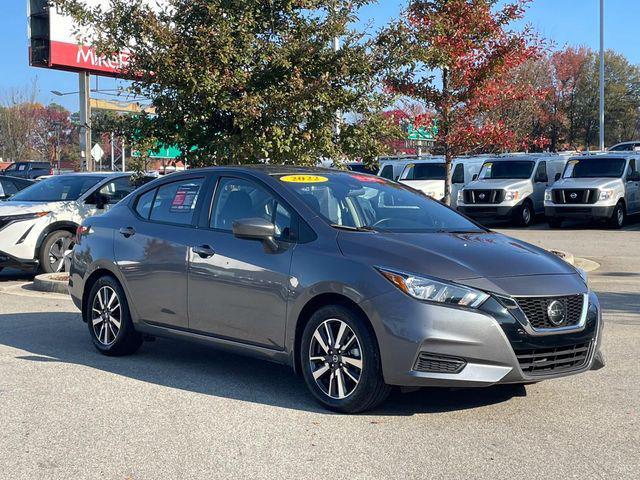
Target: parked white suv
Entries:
(597, 187)
(38, 224)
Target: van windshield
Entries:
(594, 168)
(423, 171)
(57, 189)
(363, 203)
(506, 169)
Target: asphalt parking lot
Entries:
(176, 410)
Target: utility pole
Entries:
(85, 121)
(601, 115)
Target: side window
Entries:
(458, 174)
(176, 202)
(541, 173)
(237, 198)
(117, 189)
(632, 167)
(387, 172)
(144, 202)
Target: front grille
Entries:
(548, 361)
(575, 196)
(536, 309)
(483, 196)
(434, 363)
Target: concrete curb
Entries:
(51, 282)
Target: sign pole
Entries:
(85, 121)
(601, 113)
(113, 155)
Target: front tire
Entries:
(341, 362)
(618, 216)
(55, 248)
(109, 320)
(525, 214)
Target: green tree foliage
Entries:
(248, 81)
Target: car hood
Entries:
(18, 208)
(489, 183)
(585, 182)
(462, 258)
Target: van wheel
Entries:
(341, 362)
(55, 248)
(109, 321)
(525, 215)
(618, 216)
(554, 222)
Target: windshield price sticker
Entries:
(367, 178)
(304, 179)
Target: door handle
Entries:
(127, 232)
(204, 251)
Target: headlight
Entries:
(26, 216)
(432, 290)
(460, 196)
(547, 196)
(511, 195)
(605, 194)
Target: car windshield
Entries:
(353, 201)
(506, 170)
(424, 171)
(57, 189)
(594, 168)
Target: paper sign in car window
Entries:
(304, 179)
(185, 198)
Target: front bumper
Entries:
(580, 211)
(488, 211)
(486, 341)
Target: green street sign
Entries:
(170, 152)
(423, 133)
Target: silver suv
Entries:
(599, 187)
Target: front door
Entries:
(632, 188)
(238, 288)
(151, 248)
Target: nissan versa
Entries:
(357, 282)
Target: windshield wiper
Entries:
(366, 228)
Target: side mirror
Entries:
(475, 177)
(557, 177)
(256, 229)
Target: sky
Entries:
(564, 22)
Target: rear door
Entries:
(238, 288)
(151, 249)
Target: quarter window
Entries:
(387, 172)
(237, 199)
(458, 174)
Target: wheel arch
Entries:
(90, 282)
(313, 305)
(65, 225)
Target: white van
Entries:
(428, 175)
(511, 187)
(391, 167)
(597, 187)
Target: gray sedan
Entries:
(358, 283)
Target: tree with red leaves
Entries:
(455, 57)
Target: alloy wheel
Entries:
(335, 358)
(106, 315)
(59, 250)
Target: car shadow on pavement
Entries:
(49, 337)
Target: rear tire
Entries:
(525, 214)
(554, 223)
(109, 320)
(56, 246)
(340, 361)
(618, 216)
